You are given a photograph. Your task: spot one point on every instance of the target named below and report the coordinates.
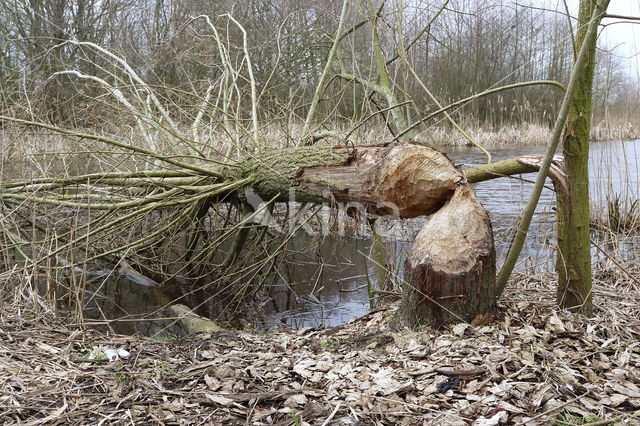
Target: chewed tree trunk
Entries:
(450, 274)
(405, 180)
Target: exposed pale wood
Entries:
(450, 272)
(406, 180)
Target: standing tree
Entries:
(574, 245)
(574, 255)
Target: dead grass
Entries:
(31, 153)
(528, 134)
(602, 132)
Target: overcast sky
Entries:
(624, 38)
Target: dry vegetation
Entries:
(206, 106)
(530, 364)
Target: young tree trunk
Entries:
(450, 274)
(574, 246)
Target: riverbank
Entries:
(529, 364)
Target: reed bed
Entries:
(526, 134)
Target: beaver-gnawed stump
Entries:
(450, 273)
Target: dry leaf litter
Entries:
(527, 364)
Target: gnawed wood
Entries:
(450, 272)
(416, 179)
(405, 180)
(557, 172)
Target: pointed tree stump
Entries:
(450, 274)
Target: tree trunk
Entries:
(451, 271)
(574, 246)
(405, 180)
(450, 274)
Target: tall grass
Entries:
(615, 214)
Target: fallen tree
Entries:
(450, 274)
(406, 180)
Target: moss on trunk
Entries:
(574, 246)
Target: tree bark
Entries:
(450, 274)
(574, 246)
(405, 180)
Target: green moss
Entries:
(326, 182)
(273, 171)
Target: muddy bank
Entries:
(529, 364)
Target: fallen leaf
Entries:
(614, 400)
(220, 400)
(212, 383)
(556, 325)
(493, 420)
(459, 329)
(296, 401)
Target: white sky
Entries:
(624, 38)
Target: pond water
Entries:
(341, 291)
(329, 278)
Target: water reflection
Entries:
(328, 280)
(329, 289)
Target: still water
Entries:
(339, 293)
(328, 278)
